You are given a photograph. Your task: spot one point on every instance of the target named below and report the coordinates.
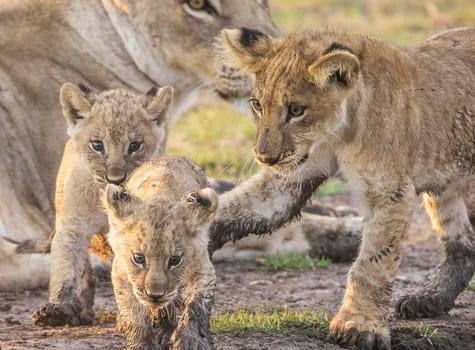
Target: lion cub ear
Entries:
(157, 103)
(245, 48)
(205, 202)
(118, 202)
(76, 102)
(336, 66)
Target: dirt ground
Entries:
(246, 285)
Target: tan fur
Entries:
(130, 130)
(163, 211)
(395, 122)
(104, 44)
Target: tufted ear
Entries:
(336, 66)
(205, 202)
(157, 103)
(76, 102)
(245, 48)
(118, 202)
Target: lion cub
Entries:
(112, 133)
(161, 272)
(396, 122)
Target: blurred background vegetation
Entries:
(220, 138)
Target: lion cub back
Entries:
(166, 177)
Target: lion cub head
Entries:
(158, 229)
(116, 131)
(302, 83)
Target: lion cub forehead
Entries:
(119, 105)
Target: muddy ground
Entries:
(246, 285)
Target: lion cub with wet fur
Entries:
(112, 133)
(161, 272)
(396, 122)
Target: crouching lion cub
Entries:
(396, 122)
(161, 272)
(112, 133)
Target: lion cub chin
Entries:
(111, 134)
(161, 272)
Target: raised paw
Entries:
(359, 331)
(56, 315)
(421, 305)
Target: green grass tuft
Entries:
(276, 320)
(292, 262)
(331, 188)
(426, 332)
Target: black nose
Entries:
(267, 159)
(115, 180)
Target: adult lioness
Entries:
(396, 122)
(105, 44)
(161, 271)
(112, 133)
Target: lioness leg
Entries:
(360, 320)
(448, 214)
(71, 289)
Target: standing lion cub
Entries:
(161, 272)
(112, 133)
(396, 122)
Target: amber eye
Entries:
(296, 110)
(197, 4)
(138, 259)
(134, 147)
(256, 105)
(173, 261)
(97, 146)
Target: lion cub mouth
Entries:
(290, 164)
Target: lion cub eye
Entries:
(97, 146)
(256, 105)
(295, 110)
(174, 261)
(138, 259)
(134, 147)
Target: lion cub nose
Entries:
(267, 159)
(116, 180)
(155, 294)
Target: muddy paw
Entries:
(421, 305)
(56, 315)
(359, 331)
(188, 342)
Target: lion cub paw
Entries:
(56, 315)
(190, 342)
(359, 330)
(421, 305)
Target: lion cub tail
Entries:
(32, 246)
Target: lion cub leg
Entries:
(192, 331)
(135, 318)
(450, 221)
(72, 282)
(361, 318)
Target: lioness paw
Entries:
(359, 331)
(56, 315)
